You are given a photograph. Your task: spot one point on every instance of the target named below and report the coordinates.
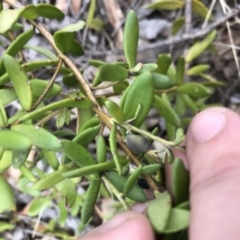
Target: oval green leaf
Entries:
(166, 111)
(90, 200)
(177, 25)
(130, 38)
(20, 81)
(132, 180)
(39, 136)
(101, 149)
(198, 69)
(200, 9)
(180, 182)
(166, 4)
(118, 181)
(178, 220)
(163, 62)
(14, 140)
(140, 92)
(162, 81)
(199, 47)
(19, 157)
(38, 86)
(64, 39)
(196, 90)
(77, 153)
(158, 211)
(7, 197)
(110, 73)
(49, 11)
(114, 110)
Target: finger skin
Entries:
(214, 165)
(128, 226)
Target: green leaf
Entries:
(97, 24)
(189, 103)
(19, 157)
(158, 211)
(178, 220)
(69, 102)
(77, 153)
(166, 4)
(64, 39)
(7, 197)
(114, 110)
(198, 69)
(166, 111)
(39, 136)
(177, 25)
(200, 9)
(180, 71)
(4, 226)
(90, 200)
(14, 140)
(20, 81)
(38, 205)
(180, 106)
(92, 169)
(120, 87)
(132, 180)
(3, 116)
(49, 11)
(68, 190)
(96, 63)
(5, 160)
(180, 182)
(163, 62)
(162, 81)
(196, 90)
(199, 47)
(51, 158)
(43, 51)
(113, 148)
(91, 12)
(130, 38)
(118, 181)
(151, 168)
(38, 87)
(140, 92)
(19, 42)
(110, 73)
(101, 149)
(7, 95)
(148, 67)
(8, 17)
(90, 122)
(86, 136)
(50, 179)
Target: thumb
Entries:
(213, 154)
(128, 226)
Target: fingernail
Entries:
(118, 221)
(207, 124)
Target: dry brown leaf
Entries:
(115, 17)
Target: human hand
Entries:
(213, 159)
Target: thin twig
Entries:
(162, 45)
(104, 86)
(51, 82)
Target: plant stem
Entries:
(164, 142)
(116, 193)
(97, 168)
(51, 82)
